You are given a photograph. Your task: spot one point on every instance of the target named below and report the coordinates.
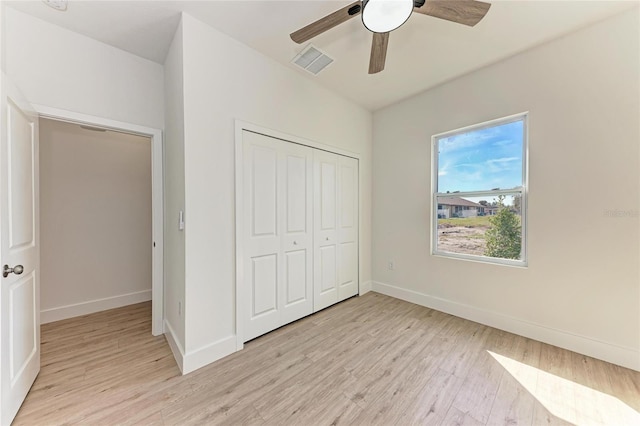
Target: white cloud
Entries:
(502, 160)
(501, 164)
(504, 142)
(464, 141)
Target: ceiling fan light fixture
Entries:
(382, 16)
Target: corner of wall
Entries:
(174, 187)
(365, 287)
(174, 344)
(207, 354)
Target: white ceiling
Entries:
(423, 53)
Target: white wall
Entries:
(581, 289)
(225, 80)
(174, 193)
(95, 220)
(3, 26)
(58, 68)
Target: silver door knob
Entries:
(18, 269)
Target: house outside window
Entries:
(479, 186)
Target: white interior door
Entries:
(325, 223)
(19, 249)
(277, 201)
(348, 227)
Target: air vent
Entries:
(311, 59)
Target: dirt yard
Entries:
(461, 239)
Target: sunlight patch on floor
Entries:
(568, 400)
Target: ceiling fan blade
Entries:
(378, 52)
(467, 12)
(326, 23)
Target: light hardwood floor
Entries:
(369, 360)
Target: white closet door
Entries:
(296, 186)
(278, 229)
(348, 227)
(262, 262)
(325, 253)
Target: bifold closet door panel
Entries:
(348, 208)
(262, 258)
(278, 230)
(325, 224)
(297, 231)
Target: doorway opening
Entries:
(101, 216)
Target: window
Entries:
(480, 190)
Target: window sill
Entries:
(482, 259)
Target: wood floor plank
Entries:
(370, 360)
(301, 401)
(432, 401)
(385, 379)
(456, 417)
(514, 402)
(625, 384)
(557, 398)
(479, 390)
(467, 339)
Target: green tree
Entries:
(504, 236)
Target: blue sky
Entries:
(481, 159)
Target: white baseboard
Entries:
(191, 361)
(208, 354)
(365, 287)
(174, 344)
(615, 354)
(93, 306)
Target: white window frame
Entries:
(522, 191)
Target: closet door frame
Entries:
(240, 287)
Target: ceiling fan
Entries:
(383, 16)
